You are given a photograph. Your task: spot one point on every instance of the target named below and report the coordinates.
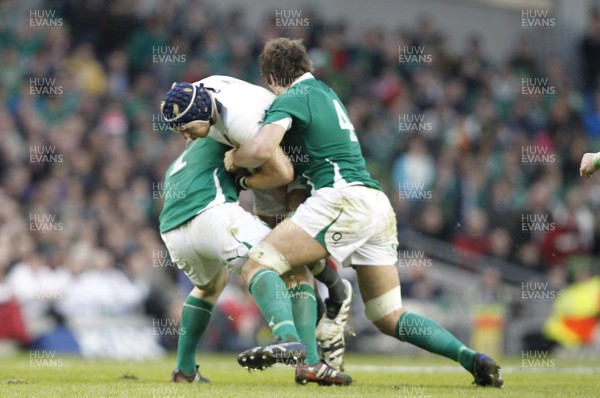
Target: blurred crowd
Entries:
(466, 154)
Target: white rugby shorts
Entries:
(355, 224)
(219, 236)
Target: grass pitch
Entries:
(374, 376)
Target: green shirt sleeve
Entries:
(290, 104)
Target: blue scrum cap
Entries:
(185, 103)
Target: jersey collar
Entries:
(305, 76)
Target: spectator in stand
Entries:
(474, 238)
(500, 244)
(591, 117)
(38, 288)
(590, 52)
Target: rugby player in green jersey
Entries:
(207, 235)
(347, 216)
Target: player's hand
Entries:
(586, 169)
(229, 164)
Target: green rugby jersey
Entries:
(321, 136)
(195, 181)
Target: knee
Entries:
(297, 276)
(264, 256)
(213, 289)
(385, 310)
(389, 323)
(248, 269)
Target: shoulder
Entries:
(238, 95)
(292, 96)
(223, 81)
(295, 102)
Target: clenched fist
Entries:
(229, 165)
(586, 169)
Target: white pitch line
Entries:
(578, 370)
(458, 369)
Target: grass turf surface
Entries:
(374, 376)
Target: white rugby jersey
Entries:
(241, 109)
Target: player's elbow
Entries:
(287, 175)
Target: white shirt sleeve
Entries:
(286, 123)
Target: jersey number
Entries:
(345, 123)
(178, 165)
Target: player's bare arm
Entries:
(256, 151)
(276, 172)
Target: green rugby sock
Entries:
(273, 299)
(195, 315)
(304, 308)
(431, 336)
